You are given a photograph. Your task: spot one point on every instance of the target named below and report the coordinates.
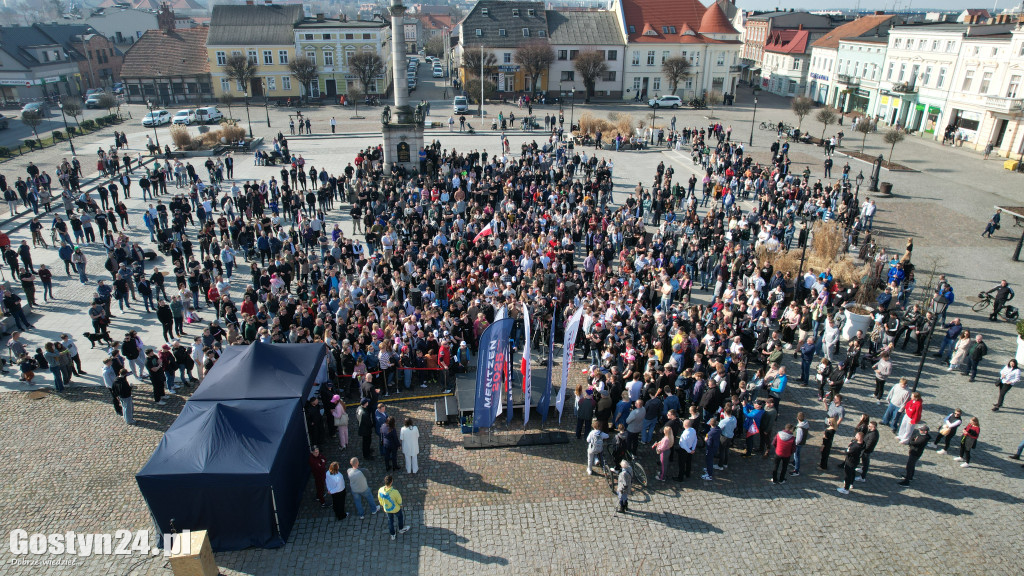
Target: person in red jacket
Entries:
(911, 416)
(784, 444)
(968, 441)
(213, 298)
(318, 466)
(444, 361)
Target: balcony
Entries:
(736, 68)
(904, 88)
(1000, 104)
(847, 79)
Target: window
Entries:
(927, 78)
(484, 11)
(502, 32)
(897, 42)
(636, 84)
(573, 54)
(968, 79)
(271, 84)
(976, 51)
(252, 57)
(307, 36)
(1011, 91)
(796, 63)
(888, 75)
(650, 57)
(609, 76)
(563, 54)
(350, 36)
(286, 82)
(328, 58)
(636, 58)
(721, 60)
(239, 86)
(935, 45)
(507, 58)
(479, 32)
(282, 56)
(942, 77)
(664, 29)
(542, 33)
(613, 55)
(903, 71)
(327, 36)
(312, 56)
(921, 44)
(225, 85)
(632, 30)
(367, 36)
(222, 58)
(664, 56)
(568, 76)
(986, 82)
(526, 32)
(656, 84)
(950, 46)
(995, 51)
(531, 12)
(268, 57)
(515, 12)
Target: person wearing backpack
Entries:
(595, 445)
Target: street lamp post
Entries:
(753, 120)
(71, 140)
(806, 233)
(572, 109)
(149, 104)
(266, 98)
(937, 306)
(245, 94)
(876, 170)
(860, 180)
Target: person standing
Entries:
(156, 376)
(365, 420)
(595, 445)
(318, 466)
(389, 438)
(584, 412)
(883, 368)
(826, 443)
(360, 488)
(784, 444)
(799, 440)
(391, 501)
(870, 442)
(123, 391)
(624, 485)
(911, 416)
(974, 355)
(918, 442)
(968, 441)
(340, 421)
(1008, 376)
(410, 440)
(687, 446)
(109, 374)
(334, 124)
(712, 444)
(335, 484)
(853, 454)
(664, 447)
(948, 430)
(897, 398)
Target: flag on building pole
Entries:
(544, 404)
(527, 371)
(568, 346)
(491, 372)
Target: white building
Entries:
(571, 33)
(860, 62)
(985, 97)
(823, 85)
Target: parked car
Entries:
(438, 72)
(412, 84)
(461, 105)
(667, 101)
(92, 92)
(93, 101)
(184, 117)
(157, 118)
(118, 88)
(3, 122)
(42, 108)
(208, 115)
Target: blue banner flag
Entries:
(491, 372)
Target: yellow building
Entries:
(265, 34)
(331, 43)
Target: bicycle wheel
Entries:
(981, 305)
(639, 474)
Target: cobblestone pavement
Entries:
(68, 462)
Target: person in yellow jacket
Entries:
(391, 501)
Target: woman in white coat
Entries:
(410, 439)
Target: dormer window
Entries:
(501, 32)
(632, 29)
(515, 12)
(531, 12)
(479, 32)
(484, 11)
(526, 32)
(650, 32)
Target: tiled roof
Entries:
(500, 17)
(858, 27)
(715, 22)
(583, 28)
(14, 39)
(787, 41)
(435, 21)
(153, 4)
(253, 25)
(674, 15)
(158, 53)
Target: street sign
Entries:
(501, 80)
(511, 68)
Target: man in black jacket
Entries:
(853, 454)
(870, 441)
(918, 442)
(1002, 293)
(364, 420)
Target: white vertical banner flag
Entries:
(527, 370)
(568, 346)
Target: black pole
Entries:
(753, 120)
(803, 254)
(927, 344)
(68, 131)
(1020, 243)
(247, 114)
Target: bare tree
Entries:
(367, 66)
(713, 97)
(471, 62)
(304, 71)
(675, 70)
(33, 119)
(801, 106)
(591, 66)
(72, 108)
(864, 128)
(434, 46)
(242, 70)
(827, 117)
(227, 99)
(106, 100)
(893, 137)
(355, 94)
(473, 90)
(534, 58)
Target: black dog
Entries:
(94, 338)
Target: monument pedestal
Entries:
(402, 144)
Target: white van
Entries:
(208, 115)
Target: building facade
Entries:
(858, 72)
(169, 67)
(331, 44)
(499, 28)
(984, 101)
(574, 32)
(265, 34)
(758, 28)
(824, 84)
(45, 60)
(784, 63)
(656, 30)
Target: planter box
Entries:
(1020, 351)
(855, 322)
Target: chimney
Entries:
(165, 18)
(800, 27)
(879, 12)
(320, 17)
(249, 3)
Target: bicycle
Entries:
(611, 470)
(1009, 312)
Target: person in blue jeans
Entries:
(391, 501)
(953, 330)
(897, 398)
(801, 438)
(360, 489)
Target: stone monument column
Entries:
(398, 61)
(402, 130)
